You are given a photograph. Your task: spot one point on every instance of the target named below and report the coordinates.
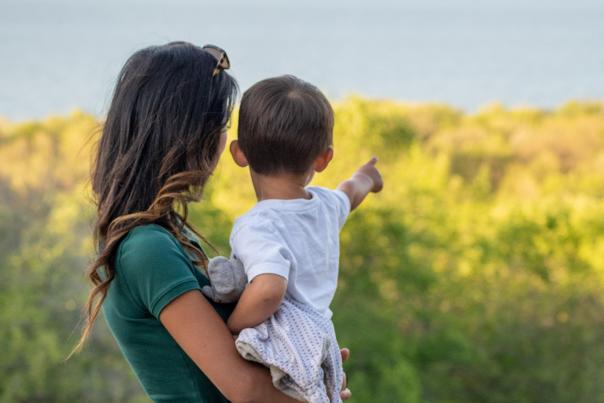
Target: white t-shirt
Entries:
(298, 239)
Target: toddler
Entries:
(286, 248)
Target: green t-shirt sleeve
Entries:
(155, 268)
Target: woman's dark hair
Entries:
(158, 147)
(284, 124)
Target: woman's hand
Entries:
(345, 393)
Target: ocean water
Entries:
(64, 54)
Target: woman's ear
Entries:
(238, 155)
(323, 160)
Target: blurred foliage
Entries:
(476, 276)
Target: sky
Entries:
(56, 56)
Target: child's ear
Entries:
(238, 155)
(323, 160)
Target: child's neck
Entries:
(281, 186)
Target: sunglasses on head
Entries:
(222, 60)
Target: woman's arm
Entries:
(202, 334)
(260, 299)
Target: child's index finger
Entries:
(373, 160)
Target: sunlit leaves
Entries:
(477, 275)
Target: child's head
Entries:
(285, 126)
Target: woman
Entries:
(164, 134)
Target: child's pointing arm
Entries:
(365, 180)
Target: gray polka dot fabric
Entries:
(299, 346)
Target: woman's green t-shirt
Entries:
(152, 269)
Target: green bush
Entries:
(476, 276)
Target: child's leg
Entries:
(332, 364)
(294, 343)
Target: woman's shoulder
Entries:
(149, 243)
(153, 267)
(147, 238)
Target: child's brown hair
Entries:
(284, 124)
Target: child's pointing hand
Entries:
(369, 170)
(367, 179)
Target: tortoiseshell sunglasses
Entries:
(221, 57)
